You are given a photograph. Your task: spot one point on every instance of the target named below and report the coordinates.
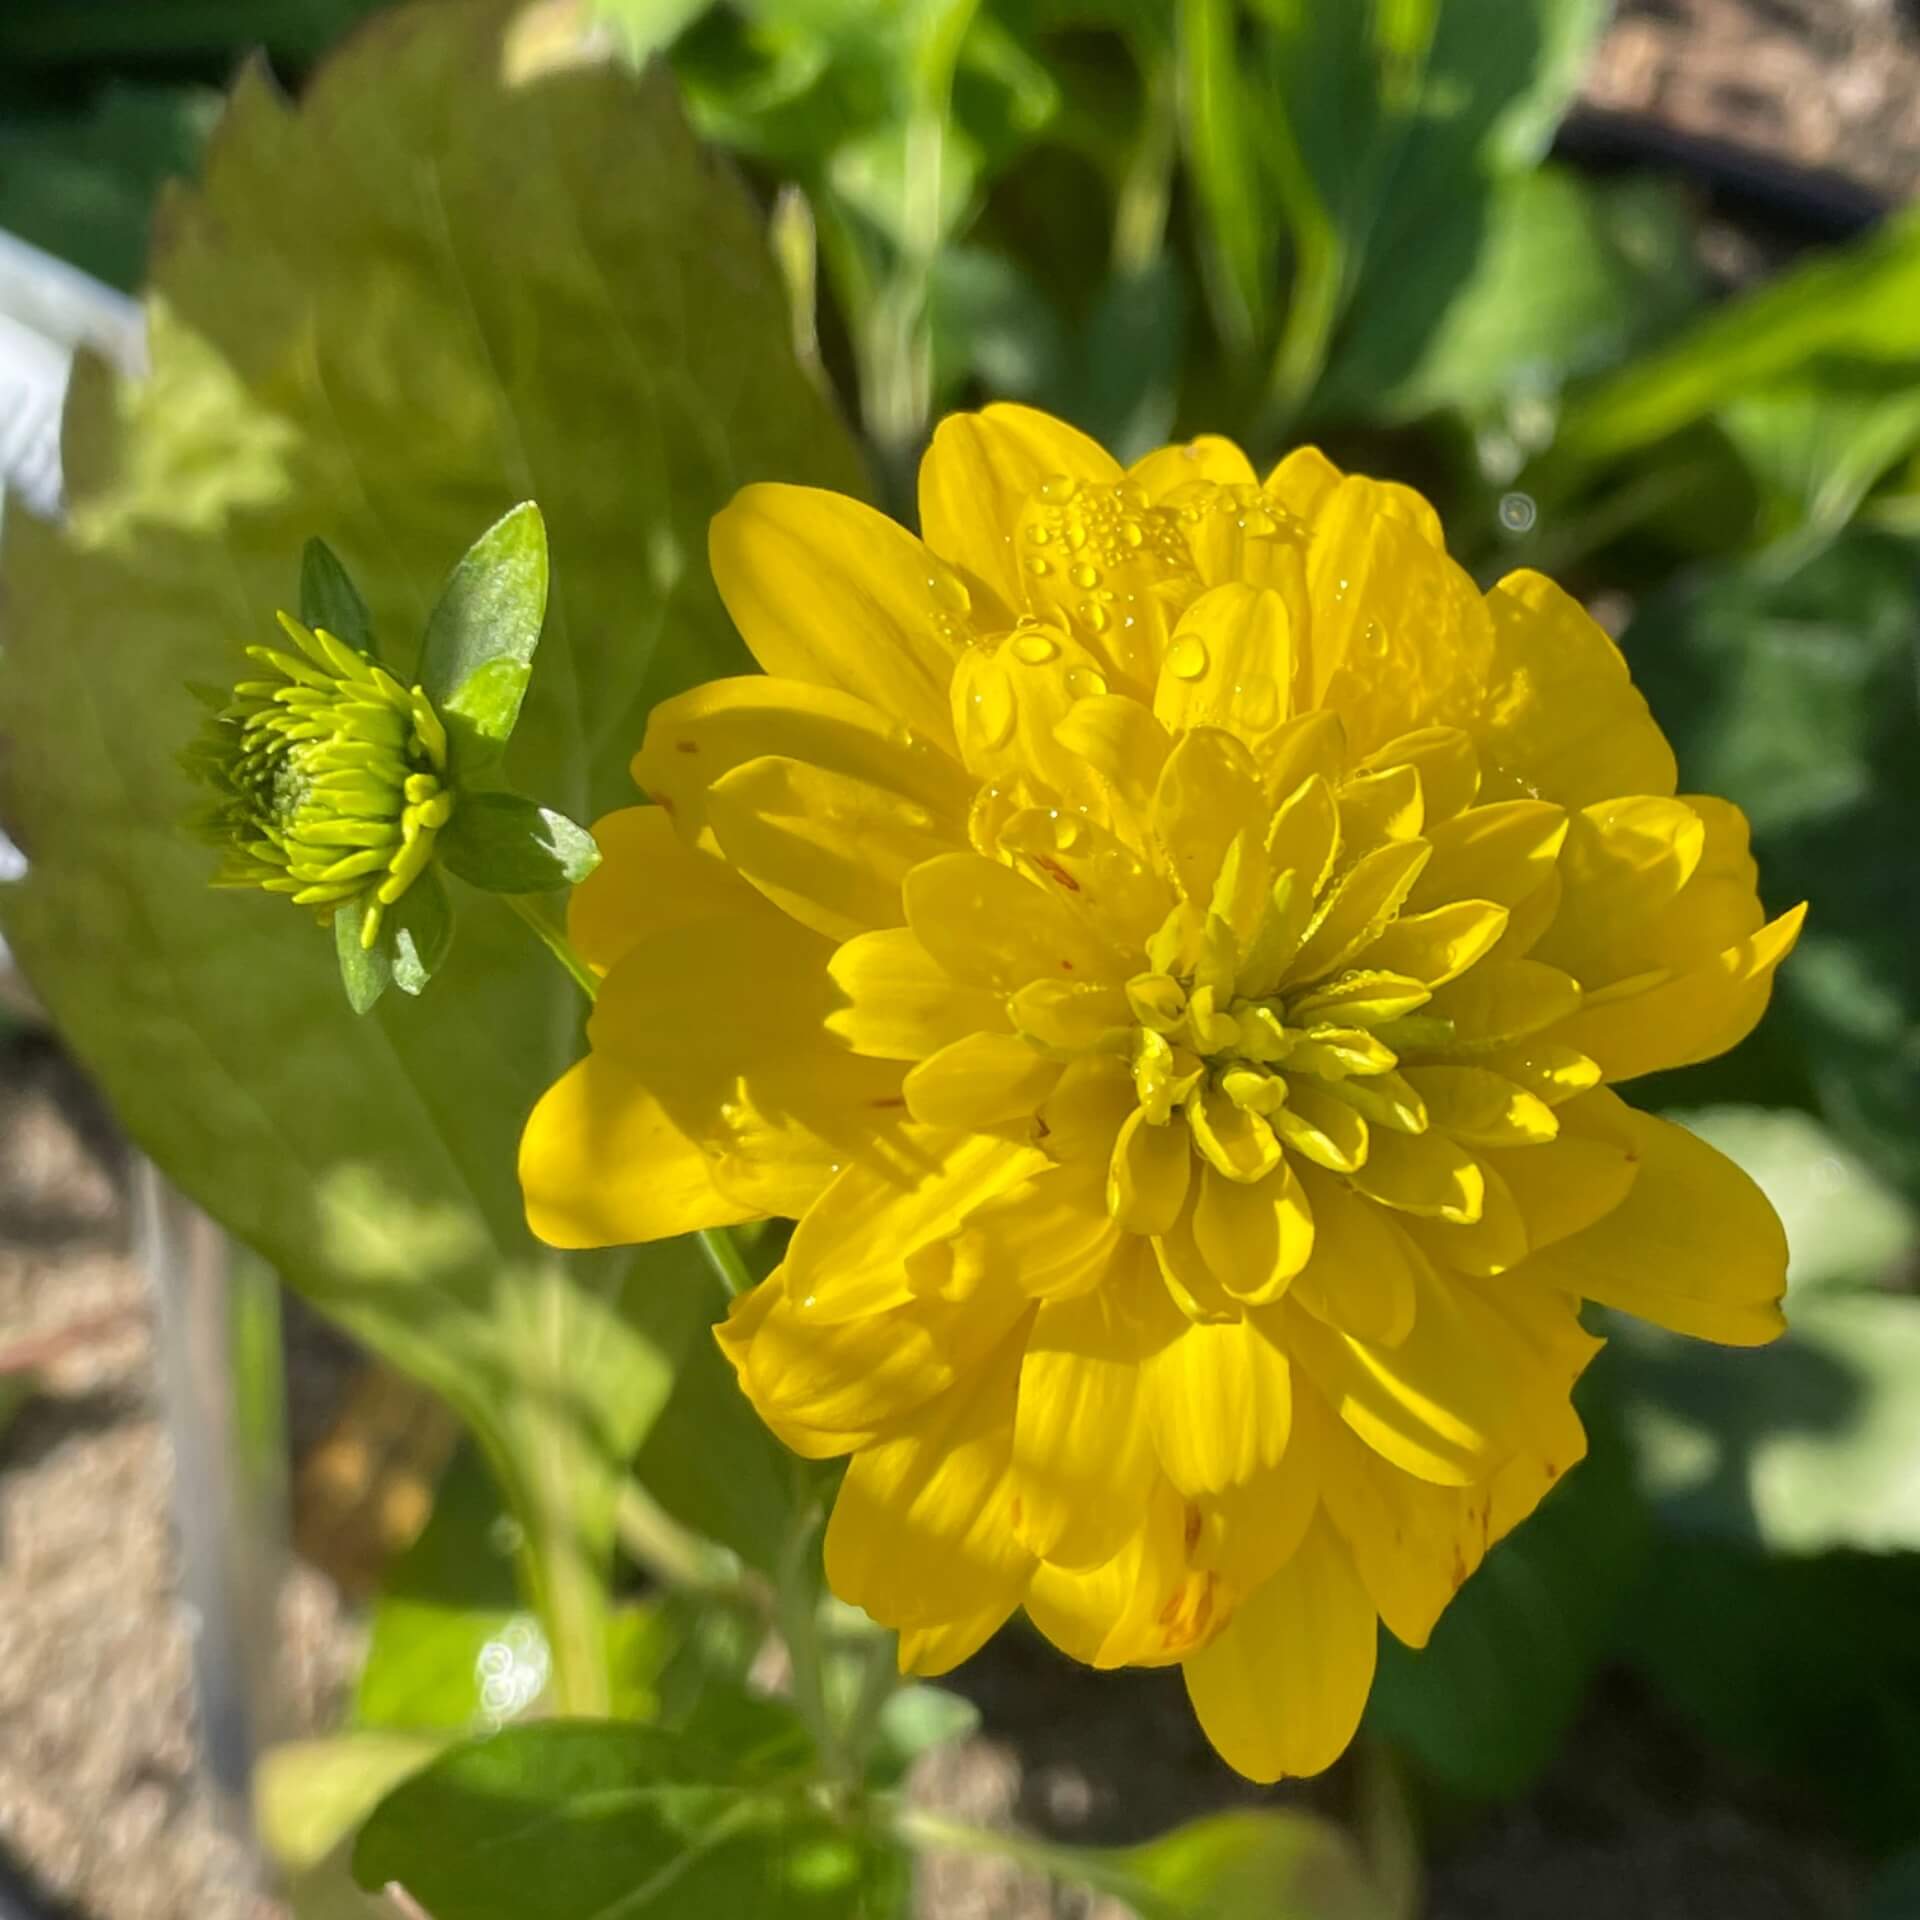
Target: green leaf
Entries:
(1485, 1705)
(419, 932)
(575, 1819)
(1854, 304)
(329, 599)
(442, 1604)
(478, 654)
(505, 844)
(915, 1719)
(1568, 276)
(711, 1463)
(1895, 1894)
(1805, 1668)
(1253, 1865)
(383, 369)
(309, 1795)
(365, 972)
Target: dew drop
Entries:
(1373, 640)
(1034, 648)
(1084, 683)
(1037, 566)
(1187, 658)
(1084, 575)
(1094, 614)
(1058, 488)
(1038, 534)
(1130, 532)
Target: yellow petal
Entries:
(1500, 1001)
(1359, 911)
(1321, 1127)
(1010, 695)
(899, 1003)
(980, 1082)
(1461, 1392)
(1380, 806)
(1360, 1278)
(826, 590)
(1253, 1238)
(828, 849)
(931, 1651)
(1219, 1401)
(1237, 1142)
(1050, 1235)
(1476, 1105)
(991, 928)
(922, 1526)
(1445, 760)
(1625, 862)
(977, 475)
(1082, 1455)
(1560, 719)
(783, 1102)
(1209, 793)
(1229, 664)
(1440, 944)
(849, 1252)
(1142, 1607)
(602, 1164)
(1500, 853)
(1280, 1691)
(1415, 1545)
(1548, 1069)
(648, 881)
(846, 1382)
(1694, 1245)
(698, 737)
(1123, 743)
(1691, 1016)
(1147, 1183)
(1209, 457)
(1303, 482)
(1422, 1173)
(1487, 1245)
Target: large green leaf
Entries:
(1804, 1667)
(475, 267)
(571, 1820)
(1856, 304)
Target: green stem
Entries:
(918, 1827)
(1140, 214)
(528, 907)
(797, 1609)
(724, 1257)
(879, 1680)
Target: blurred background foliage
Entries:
(1281, 219)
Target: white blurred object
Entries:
(48, 311)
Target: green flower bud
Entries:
(330, 777)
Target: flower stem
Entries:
(724, 1257)
(797, 1608)
(528, 907)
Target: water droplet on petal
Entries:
(1038, 566)
(1036, 649)
(1085, 684)
(1058, 488)
(949, 592)
(1373, 640)
(1084, 575)
(1187, 658)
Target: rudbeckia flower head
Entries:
(1169, 939)
(329, 778)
